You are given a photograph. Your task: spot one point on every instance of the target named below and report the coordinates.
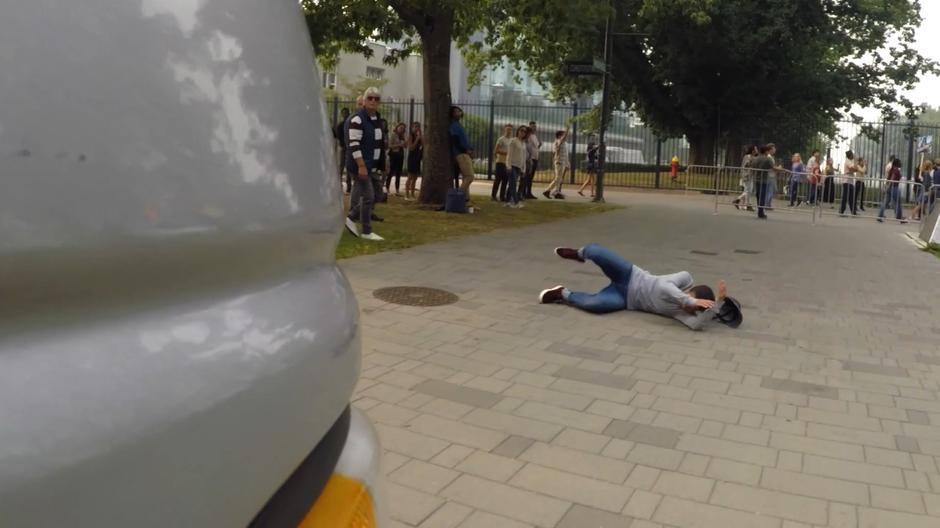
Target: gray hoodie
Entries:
(665, 295)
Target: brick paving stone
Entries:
(808, 403)
(585, 517)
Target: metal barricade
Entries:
(738, 187)
(851, 196)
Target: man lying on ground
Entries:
(633, 288)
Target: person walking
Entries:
(415, 146)
(747, 179)
(516, 159)
(849, 172)
(364, 140)
(533, 146)
(591, 168)
(934, 185)
(797, 173)
(502, 168)
(461, 151)
(561, 165)
(396, 158)
(861, 173)
(813, 174)
(829, 184)
(893, 192)
(633, 288)
(771, 177)
(763, 167)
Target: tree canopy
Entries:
(730, 68)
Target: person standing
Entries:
(415, 146)
(339, 133)
(797, 172)
(771, 177)
(591, 168)
(747, 179)
(934, 184)
(516, 159)
(364, 140)
(893, 193)
(461, 151)
(829, 184)
(533, 146)
(849, 172)
(924, 178)
(502, 169)
(812, 176)
(762, 166)
(861, 172)
(396, 158)
(380, 195)
(561, 165)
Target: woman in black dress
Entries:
(415, 145)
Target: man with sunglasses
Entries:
(364, 140)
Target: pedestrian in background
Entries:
(339, 134)
(502, 169)
(861, 173)
(849, 172)
(533, 146)
(364, 140)
(893, 194)
(396, 158)
(561, 165)
(925, 178)
(934, 184)
(415, 148)
(461, 151)
(747, 179)
(381, 166)
(516, 158)
(813, 174)
(591, 168)
(829, 184)
(771, 177)
(763, 166)
(797, 174)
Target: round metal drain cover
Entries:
(415, 296)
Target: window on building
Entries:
(375, 73)
(329, 80)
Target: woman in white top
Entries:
(516, 159)
(850, 169)
(561, 163)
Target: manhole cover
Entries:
(747, 251)
(415, 296)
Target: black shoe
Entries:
(545, 194)
(531, 197)
(581, 193)
(552, 295)
(751, 209)
(559, 196)
(568, 253)
(735, 204)
(377, 218)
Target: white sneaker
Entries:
(352, 227)
(519, 205)
(371, 236)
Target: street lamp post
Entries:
(605, 108)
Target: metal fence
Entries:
(797, 193)
(638, 157)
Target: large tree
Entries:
(731, 69)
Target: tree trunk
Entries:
(701, 148)
(437, 172)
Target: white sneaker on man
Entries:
(371, 236)
(352, 227)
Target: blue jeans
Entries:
(893, 194)
(512, 190)
(794, 191)
(614, 296)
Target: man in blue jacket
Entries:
(461, 150)
(364, 148)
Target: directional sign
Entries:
(923, 143)
(595, 67)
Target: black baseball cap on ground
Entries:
(730, 313)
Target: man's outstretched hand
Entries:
(722, 290)
(704, 304)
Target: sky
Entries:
(928, 44)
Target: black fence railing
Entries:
(636, 155)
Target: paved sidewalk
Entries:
(823, 409)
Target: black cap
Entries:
(730, 313)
